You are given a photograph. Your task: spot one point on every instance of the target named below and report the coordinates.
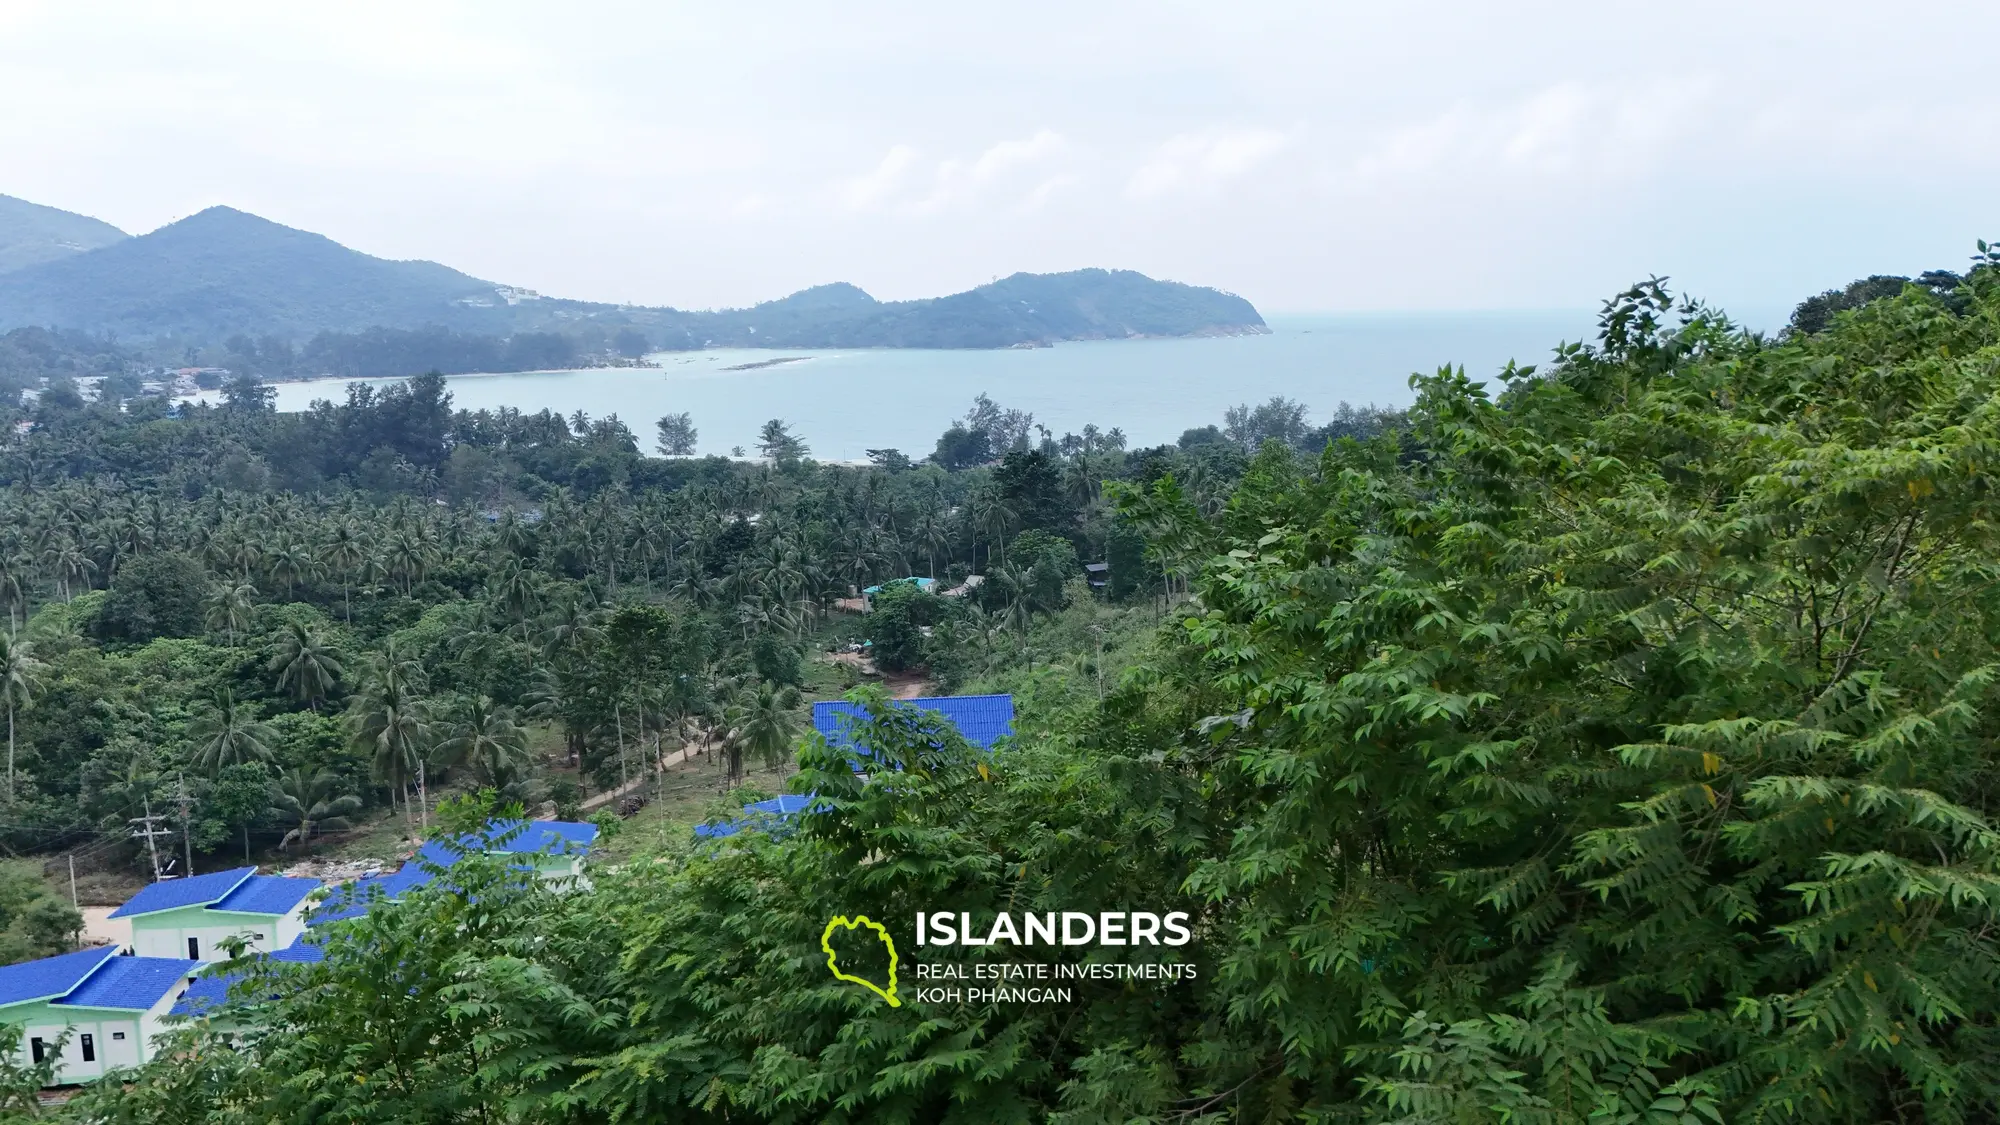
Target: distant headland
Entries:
(224, 276)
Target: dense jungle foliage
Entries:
(1617, 745)
(291, 620)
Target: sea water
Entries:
(846, 401)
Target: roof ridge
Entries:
(110, 955)
(243, 874)
(107, 953)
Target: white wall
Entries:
(288, 928)
(103, 1028)
(171, 941)
(152, 1024)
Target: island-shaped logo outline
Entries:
(833, 959)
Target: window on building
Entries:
(38, 1049)
(89, 1048)
(194, 949)
(259, 937)
(117, 1035)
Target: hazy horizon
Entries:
(1313, 159)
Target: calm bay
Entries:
(844, 402)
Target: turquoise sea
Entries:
(847, 401)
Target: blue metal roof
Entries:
(539, 837)
(267, 894)
(211, 989)
(352, 900)
(51, 977)
(201, 890)
(775, 809)
(131, 983)
(982, 719)
(557, 837)
(206, 992)
(304, 950)
(783, 806)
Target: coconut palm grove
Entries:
(1606, 740)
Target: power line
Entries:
(185, 805)
(149, 832)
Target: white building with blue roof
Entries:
(110, 1006)
(113, 1006)
(982, 719)
(192, 917)
(553, 849)
(210, 989)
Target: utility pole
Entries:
(72, 882)
(149, 832)
(185, 808)
(619, 717)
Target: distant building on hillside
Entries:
(553, 849)
(983, 719)
(191, 917)
(927, 585)
(972, 582)
(112, 1005)
(210, 989)
(111, 1008)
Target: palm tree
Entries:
(312, 804)
(485, 737)
(648, 541)
(230, 608)
(228, 733)
(512, 586)
(932, 532)
(291, 564)
(762, 723)
(20, 678)
(390, 724)
(70, 564)
(307, 666)
(1017, 588)
(342, 554)
(246, 556)
(410, 556)
(996, 519)
(374, 572)
(10, 585)
(513, 535)
(570, 623)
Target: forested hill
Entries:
(31, 234)
(1025, 309)
(224, 273)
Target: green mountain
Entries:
(31, 234)
(1023, 310)
(224, 273)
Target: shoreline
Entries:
(659, 361)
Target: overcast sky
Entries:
(1310, 156)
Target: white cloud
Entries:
(1201, 163)
(879, 185)
(1564, 130)
(1007, 175)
